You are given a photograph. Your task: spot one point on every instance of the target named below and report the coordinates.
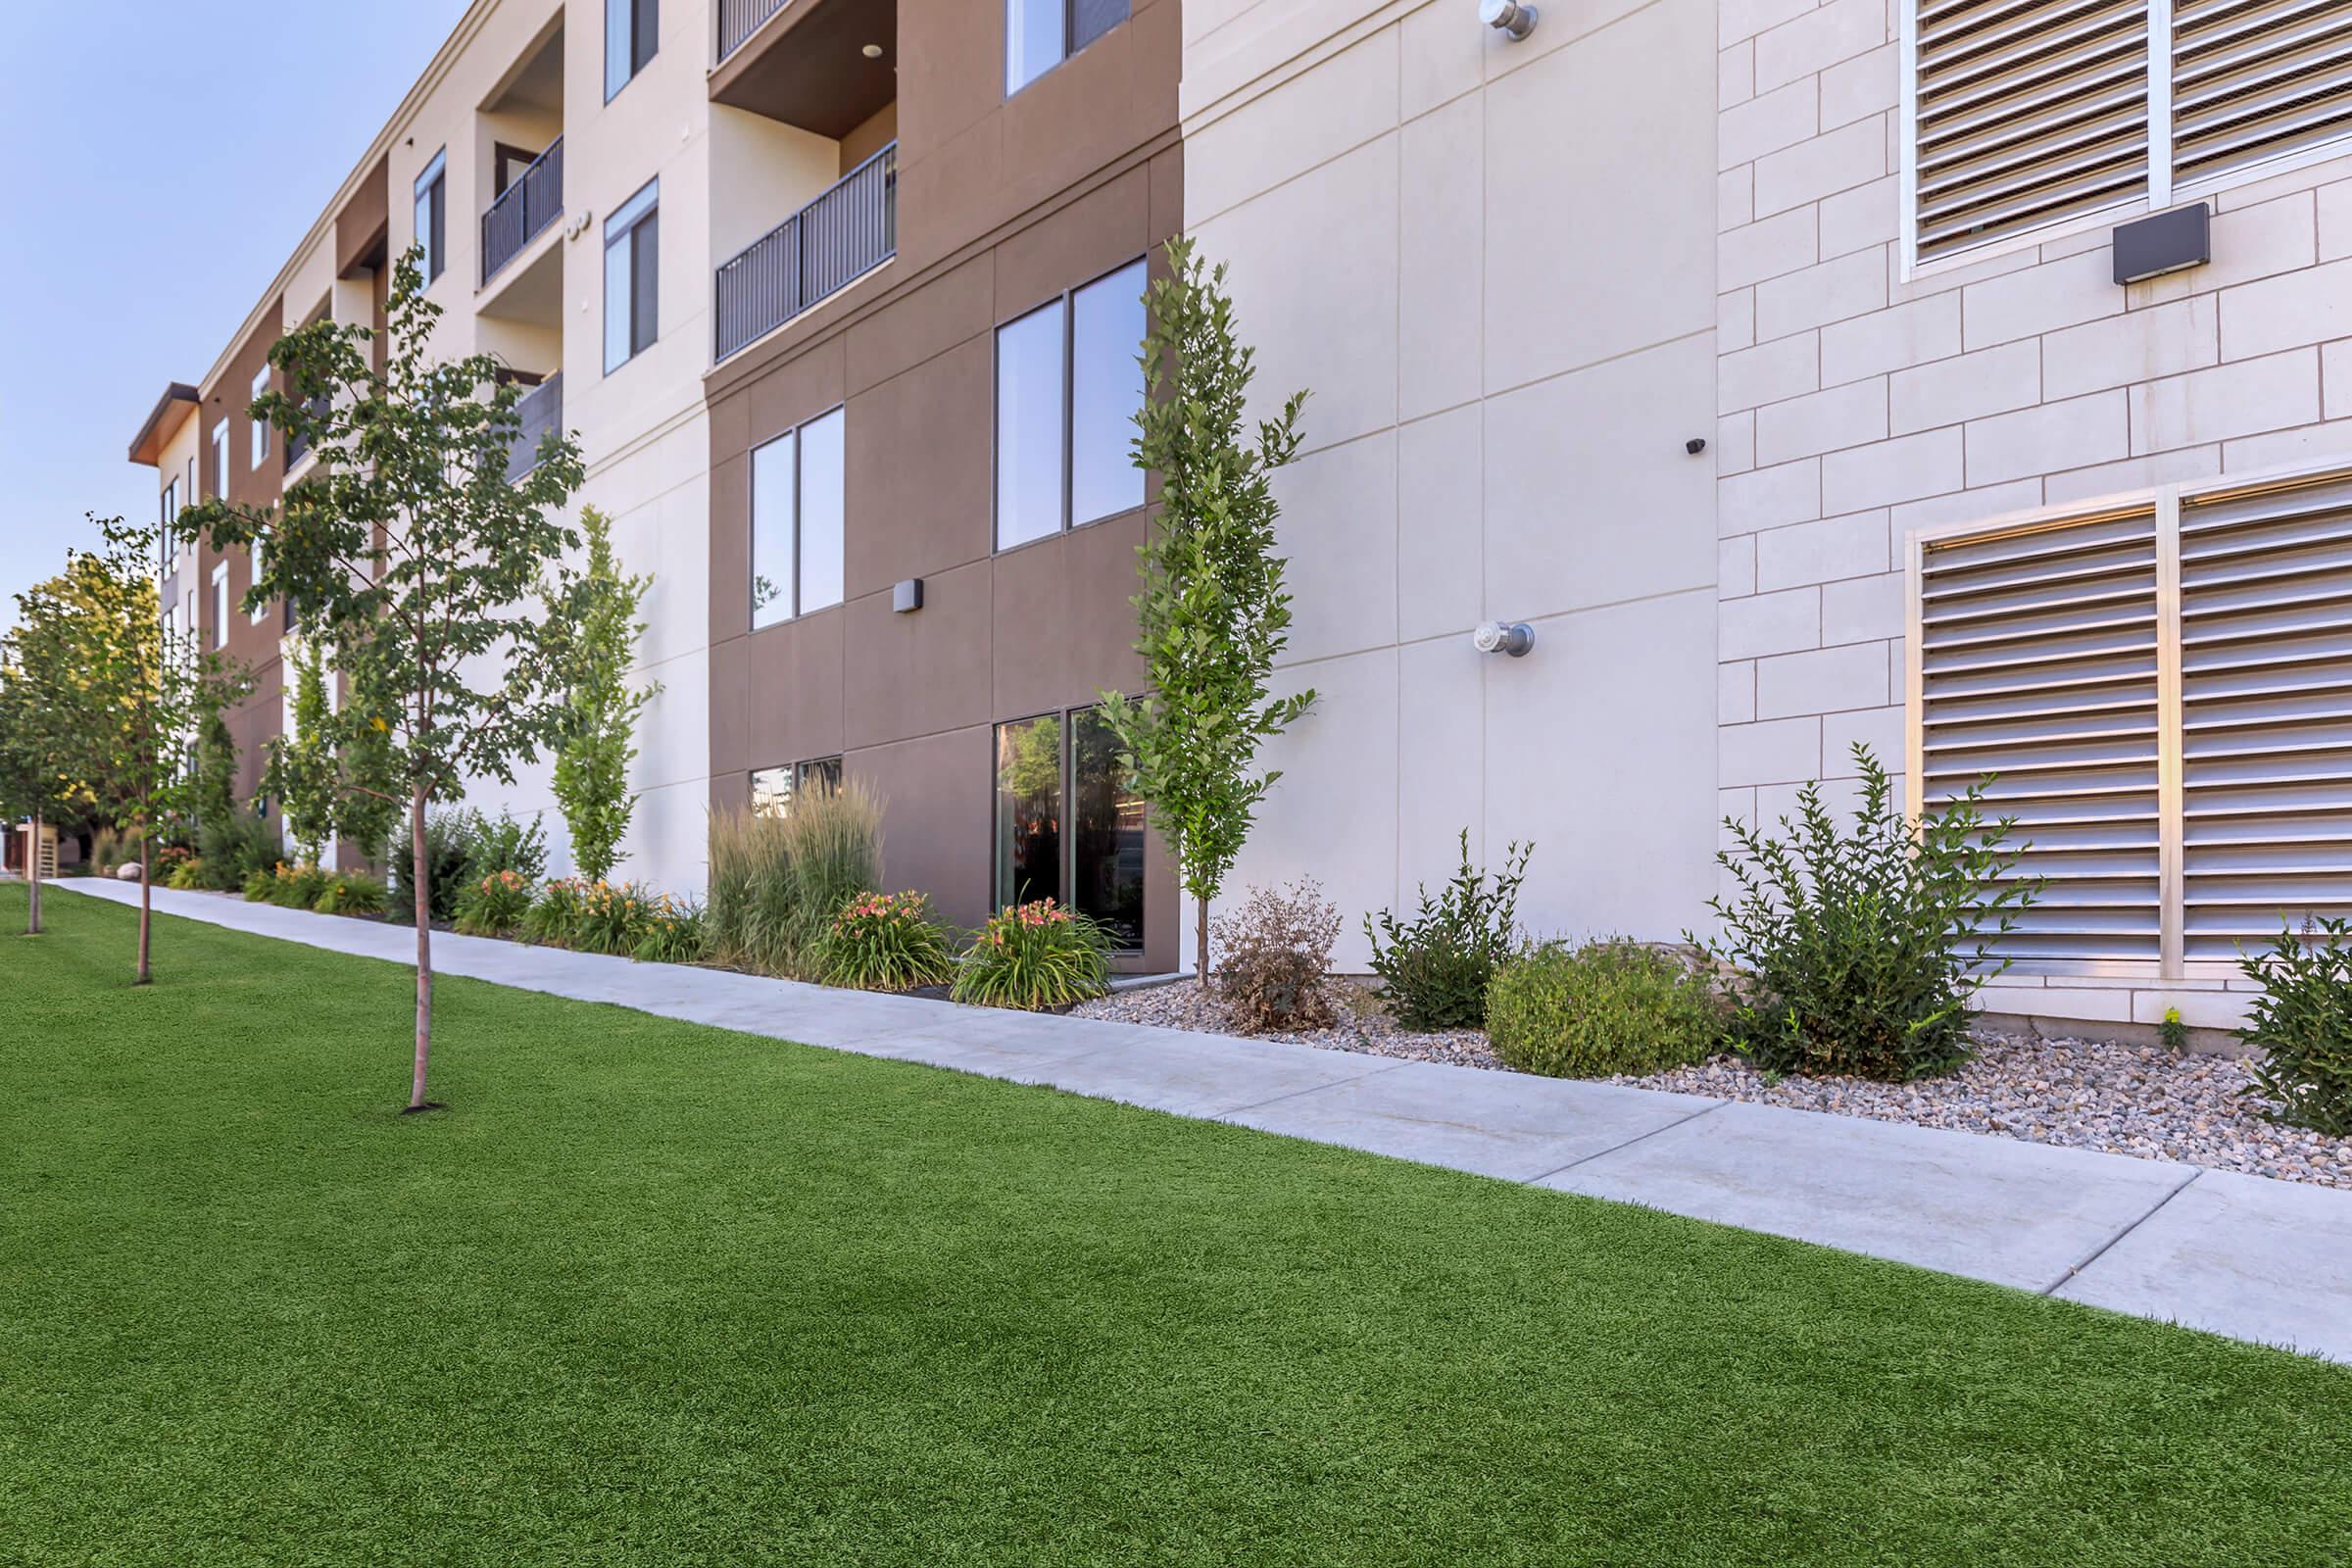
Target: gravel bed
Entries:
(2080, 1093)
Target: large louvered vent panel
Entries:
(2265, 713)
(2038, 659)
(2029, 111)
(2255, 78)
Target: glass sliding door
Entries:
(1028, 811)
(1106, 833)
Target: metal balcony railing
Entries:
(522, 210)
(848, 231)
(738, 20)
(540, 410)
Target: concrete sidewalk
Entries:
(2235, 1255)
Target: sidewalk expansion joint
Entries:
(2108, 1245)
(1311, 1089)
(1603, 1154)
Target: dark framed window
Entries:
(1040, 35)
(774, 789)
(258, 428)
(632, 35)
(798, 519)
(1068, 822)
(633, 277)
(1069, 383)
(432, 215)
(220, 458)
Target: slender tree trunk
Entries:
(1201, 921)
(146, 905)
(421, 898)
(32, 870)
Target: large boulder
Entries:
(128, 871)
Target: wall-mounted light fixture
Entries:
(1513, 18)
(906, 596)
(1514, 638)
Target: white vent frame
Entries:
(2167, 503)
(2163, 189)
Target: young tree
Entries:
(151, 692)
(1214, 615)
(216, 795)
(46, 712)
(595, 638)
(417, 562)
(302, 772)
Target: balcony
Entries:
(839, 237)
(823, 66)
(296, 447)
(540, 410)
(524, 210)
(738, 20)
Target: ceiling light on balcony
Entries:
(872, 51)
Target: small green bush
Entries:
(1435, 968)
(495, 904)
(554, 915)
(504, 843)
(188, 875)
(887, 942)
(351, 892)
(1859, 951)
(296, 887)
(1033, 957)
(259, 884)
(2302, 1025)
(673, 932)
(1610, 1006)
(449, 838)
(235, 848)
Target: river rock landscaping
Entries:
(2148, 1101)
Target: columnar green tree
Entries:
(595, 642)
(1213, 613)
(301, 773)
(151, 691)
(419, 564)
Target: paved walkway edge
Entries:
(2240, 1256)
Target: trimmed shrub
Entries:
(1435, 968)
(2301, 1023)
(673, 932)
(1034, 957)
(1858, 951)
(887, 942)
(775, 881)
(1609, 1007)
(495, 904)
(1272, 954)
(351, 892)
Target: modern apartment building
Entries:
(1798, 373)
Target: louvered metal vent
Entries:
(2255, 78)
(2029, 111)
(2266, 676)
(2038, 664)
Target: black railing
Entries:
(738, 20)
(523, 209)
(540, 410)
(297, 446)
(848, 231)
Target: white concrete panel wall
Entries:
(1491, 263)
(1857, 404)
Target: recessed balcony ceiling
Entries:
(808, 65)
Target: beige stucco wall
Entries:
(1491, 263)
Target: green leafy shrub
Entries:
(1435, 968)
(259, 884)
(504, 843)
(233, 848)
(297, 886)
(775, 881)
(1033, 957)
(168, 859)
(673, 932)
(351, 892)
(887, 942)
(449, 844)
(1273, 953)
(612, 918)
(495, 904)
(1609, 1007)
(188, 875)
(554, 915)
(1858, 951)
(2301, 1023)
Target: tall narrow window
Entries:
(1028, 811)
(1040, 35)
(632, 35)
(632, 276)
(220, 458)
(221, 604)
(432, 215)
(259, 427)
(1068, 386)
(797, 508)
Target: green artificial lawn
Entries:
(659, 1294)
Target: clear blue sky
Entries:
(142, 229)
